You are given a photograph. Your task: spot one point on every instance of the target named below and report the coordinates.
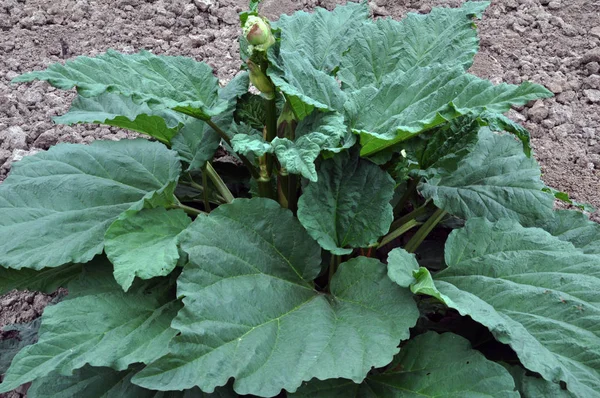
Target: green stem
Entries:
(288, 183)
(218, 182)
(226, 138)
(283, 180)
(271, 129)
(192, 211)
(194, 184)
(292, 193)
(265, 188)
(205, 186)
(398, 232)
(410, 189)
(333, 266)
(425, 229)
(412, 215)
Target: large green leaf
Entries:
(100, 325)
(144, 244)
(445, 146)
(178, 83)
(499, 122)
(446, 36)
(26, 334)
(535, 387)
(197, 142)
(322, 36)
(254, 144)
(404, 269)
(304, 85)
(536, 293)
(339, 212)
(108, 383)
(298, 157)
(119, 111)
(495, 180)
(320, 131)
(311, 48)
(411, 102)
(55, 206)
(575, 227)
(251, 311)
(430, 365)
(46, 280)
(250, 109)
(328, 130)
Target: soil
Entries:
(552, 42)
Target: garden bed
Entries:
(553, 43)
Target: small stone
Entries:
(595, 32)
(33, 97)
(40, 301)
(46, 139)
(378, 10)
(595, 159)
(593, 67)
(555, 86)
(189, 11)
(19, 154)
(228, 15)
(548, 124)
(519, 29)
(71, 138)
(563, 131)
(592, 81)
(591, 56)
(200, 22)
(555, 5)
(38, 18)
(203, 5)
(9, 301)
(561, 113)
(164, 21)
(425, 9)
(566, 97)
(592, 95)
(197, 40)
(519, 117)
(26, 23)
(575, 84)
(11, 75)
(4, 156)
(589, 133)
(13, 138)
(537, 113)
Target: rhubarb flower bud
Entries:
(258, 33)
(260, 80)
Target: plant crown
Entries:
(365, 222)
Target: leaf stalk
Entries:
(205, 189)
(333, 266)
(410, 190)
(425, 229)
(219, 183)
(226, 138)
(398, 232)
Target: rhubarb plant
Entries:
(351, 215)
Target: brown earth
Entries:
(552, 42)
